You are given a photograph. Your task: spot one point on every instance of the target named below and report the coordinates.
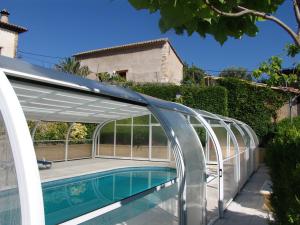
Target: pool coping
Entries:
(98, 171)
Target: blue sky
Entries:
(64, 27)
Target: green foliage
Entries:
(58, 131)
(78, 132)
(213, 99)
(193, 75)
(51, 131)
(109, 78)
(292, 50)
(273, 68)
(237, 72)
(283, 159)
(252, 104)
(163, 91)
(70, 65)
(198, 16)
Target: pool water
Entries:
(66, 199)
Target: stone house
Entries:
(148, 61)
(9, 35)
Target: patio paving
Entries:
(247, 207)
(68, 169)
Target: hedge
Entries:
(283, 159)
(255, 105)
(213, 99)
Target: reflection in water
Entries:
(70, 198)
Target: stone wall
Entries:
(155, 63)
(284, 111)
(174, 66)
(8, 43)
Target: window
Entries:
(122, 73)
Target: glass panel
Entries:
(201, 134)
(181, 132)
(141, 120)
(154, 120)
(249, 152)
(50, 140)
(239, 138)
(159, 146)
(221, 134)
(211, 154)
(106, 142)
(80, 141)
(80, 149)
(159, 207)
(212, 195)
(193, 120)
(230, 181)
(243, 169)
(10, 212)
(123, 141)
(52, 150)
(140, 148)
(125, 121)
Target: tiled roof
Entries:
(12, 27)
(128, 46)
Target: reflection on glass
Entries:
(69, 198)
(123, 141)
(159, 146)
(140, 145)
(106, 142)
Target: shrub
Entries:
(163, 91)
(252, 104)
(283, 158)
(213, 99)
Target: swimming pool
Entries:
(66, 199)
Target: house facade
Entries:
(9, 35)
(142, 62)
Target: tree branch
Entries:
(229, 14)
(277, 21)
(296, 4)
(245, 11)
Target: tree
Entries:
(78, 132)
(219, 18)
(237, 72)
(192, 74)
(71, 65)
(276, 75)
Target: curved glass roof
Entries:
(49, 95)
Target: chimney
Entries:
(4, 16)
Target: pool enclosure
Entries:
(213, 155)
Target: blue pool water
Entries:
(66, 199)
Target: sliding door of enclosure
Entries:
(20, 187)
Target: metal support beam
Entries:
(67, 141)
(34, 130)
